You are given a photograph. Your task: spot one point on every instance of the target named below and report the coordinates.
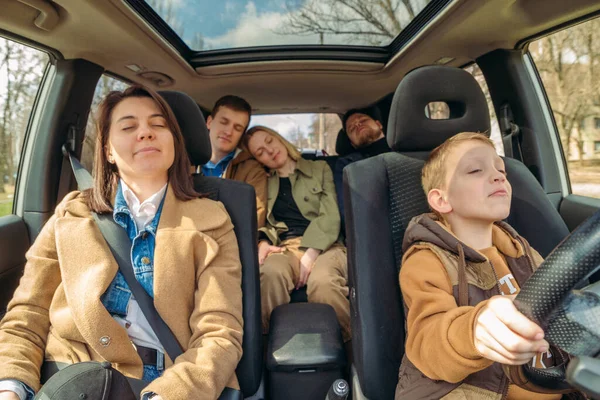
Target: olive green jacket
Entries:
(313, 191)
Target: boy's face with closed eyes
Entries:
(475, 185)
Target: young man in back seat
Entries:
(365, 131)
(227, 124)
(461, 269)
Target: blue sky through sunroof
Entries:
(217, 18)
(243, 23)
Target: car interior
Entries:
(87, 42)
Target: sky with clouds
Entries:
(234, 23)
(242, 23)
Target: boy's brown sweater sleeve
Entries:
(439, 339)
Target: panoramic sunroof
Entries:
(215, 25)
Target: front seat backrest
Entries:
(240, 201)
(373, 191)
(412, 133)
(384, 193)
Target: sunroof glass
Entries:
(211, 25)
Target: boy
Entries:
(461, 269)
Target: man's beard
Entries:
(370, 136)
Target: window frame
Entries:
(494, 120)
(90, 115)
(550, 122)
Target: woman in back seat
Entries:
(299, 244)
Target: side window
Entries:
(495, 133)
(21, 72)
(105, 85)
(569, 66)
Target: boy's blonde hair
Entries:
(293, 152)
(433, 174)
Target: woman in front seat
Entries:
(299, 245)
(74, 305)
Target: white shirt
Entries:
(139, 330)
(14, 385)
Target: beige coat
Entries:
(56, 312)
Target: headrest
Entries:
(409, 129)
(343, 146)
(192, 124)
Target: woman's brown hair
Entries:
(106, 175)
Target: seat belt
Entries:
(511, 133)
(120, 245)
(64, 186)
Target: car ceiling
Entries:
(111, 34)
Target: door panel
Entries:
(14, 242)
(575, 209)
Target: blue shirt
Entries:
(116, 297)
(211, 169)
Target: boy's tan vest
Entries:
(473, 280)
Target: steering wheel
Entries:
(557, 299)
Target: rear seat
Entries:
(330, 160)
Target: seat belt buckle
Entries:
(160, 360)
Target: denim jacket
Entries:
(116, 298)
